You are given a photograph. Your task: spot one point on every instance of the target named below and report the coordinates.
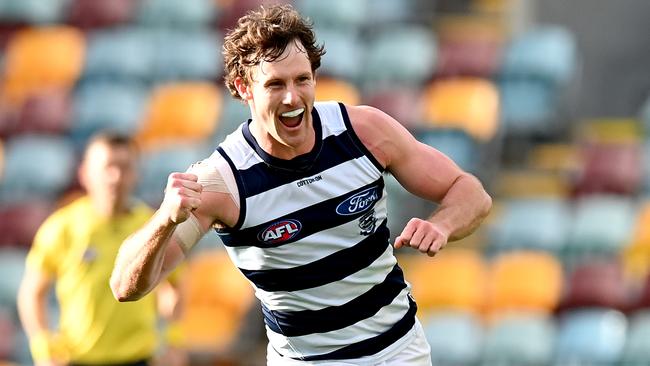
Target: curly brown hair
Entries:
(263, 35)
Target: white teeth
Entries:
(294, 113)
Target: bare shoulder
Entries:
(368, 121)
(382, 135)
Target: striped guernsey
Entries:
(313, 240)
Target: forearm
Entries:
(463, 208)
(140, 259)
(32, 312)
(44, 344)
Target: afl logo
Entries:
(359, 202)
(280, 231)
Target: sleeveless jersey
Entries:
(312, 239)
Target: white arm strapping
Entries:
(189, 233)
(215, 176)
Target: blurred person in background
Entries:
(297, 196)
(76, 248)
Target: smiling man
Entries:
(297, 196)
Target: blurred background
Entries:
(545, 101)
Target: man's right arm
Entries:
(149, 254)
(32, 308)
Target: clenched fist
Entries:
(422, 235)
(182, 196)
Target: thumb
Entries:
(399, 242)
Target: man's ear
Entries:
(243, 89)
(82, 174)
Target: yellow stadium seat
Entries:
(611, 130)
(468, 103)
(337, 89)
(532, 183)
(524, 281)
(180, 112)
(492, 7)
(217, 297)
(555, 157)
(453, 280)
(47, 57)
(636, 256)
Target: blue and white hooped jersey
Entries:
(312, 238)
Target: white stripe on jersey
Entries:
(309, 195)
(322, 343)
(331, 294)
(319, 245)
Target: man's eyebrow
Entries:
(272, 81)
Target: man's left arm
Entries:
(427, 173)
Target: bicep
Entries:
(423, 170)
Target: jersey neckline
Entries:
(300, 163)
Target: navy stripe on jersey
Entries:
(336, 150)
(314, 214)
(355, 138)
(375, 344)
(298, 323)
(240, 187)
(329, 269)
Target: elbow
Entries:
(482, 199)
(118, 293)
(121, 292)
(487, 204)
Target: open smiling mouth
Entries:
(292, 118)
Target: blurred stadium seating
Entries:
(36, 166)
(524, 281)
(218, 298)
(594, 336)
(467, 103)
(524, 223)
(455, 281)
(92, 14)
(340, 90)
(560, 273)
(26, 71)
(384, 61)
(520, 338)
(455, 336)
(184, 112)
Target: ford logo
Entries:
(280, 231)
(359, 202)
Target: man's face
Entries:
(281, 97)
(109, 174)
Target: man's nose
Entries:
(114, 175)
(290, 96)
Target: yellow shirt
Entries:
(78, 248)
